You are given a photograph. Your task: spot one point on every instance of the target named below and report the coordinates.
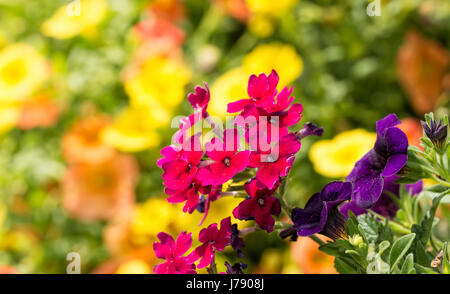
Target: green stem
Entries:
(444, 183)
(317, 240)
(209, 23)
(399, 226)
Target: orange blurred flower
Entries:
(421, 65)
(236, 8)
(82, 143)
(413, 130)
(158, 29)
(172, 10)
(5, 269)
(39, 111)
(100, 191)
(310, 259)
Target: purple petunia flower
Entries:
(385, 206)
(321, 214)
(385, 159)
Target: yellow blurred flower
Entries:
(270, 8)
(22, 71)
(155, 87)
(3, 214)
(135, 129)
(9, 116)
(134, 266)
(77, 17)
(158, 82)
(157, 215)
(232, 85)
(264, 13)
(281, 57)
(336, 157)
(227, 88)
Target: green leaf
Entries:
(399, 249)
(434, 191)
(336, 248)
(408, 265)
(383, 246)
(386, 232)
(424, 269)
(369, 227)
(427, 222)
(421, 255)
(445, 259)
(351, 225)
(377, 266)
(345, 265)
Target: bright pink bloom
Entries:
(189, 193)
(261, 89)
(260, 207)
(200, 99)
(227, 160)
(173, 253)
(276, 162)
(213, 240)
(180, 164)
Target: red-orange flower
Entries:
(310, 259)
(82, 142)
(40, 111)
(236, 8)
(172, 10)
(413, 130)
(421, 65)
(100, 191)
(5, 269)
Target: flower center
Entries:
(261, 201)
(227, 161)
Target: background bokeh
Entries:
(88, 90)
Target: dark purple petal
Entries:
(394, 164)
(353, 207)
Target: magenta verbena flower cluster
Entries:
(259, 149)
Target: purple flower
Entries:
(235, 269)
(385, 206)
(310, 129)
(321, 214)
(385, 159)
(236, 242)
(436, 132)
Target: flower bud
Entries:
(309, 129)
(355, 240)
(437, 133)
